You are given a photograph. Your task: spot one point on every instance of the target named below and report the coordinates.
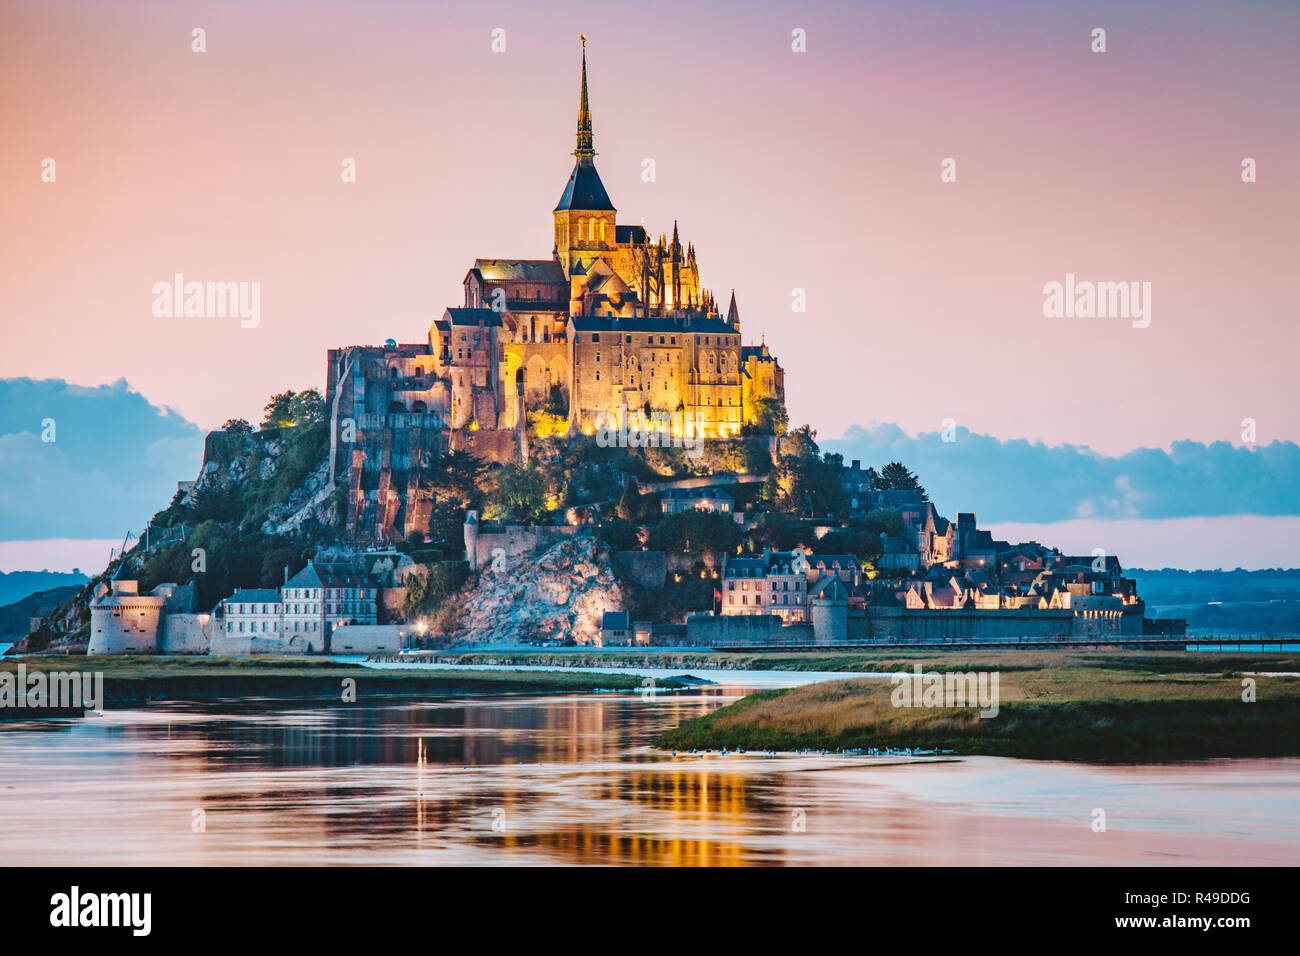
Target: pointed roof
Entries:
(586, 145)
(733, 314)
(584, 191)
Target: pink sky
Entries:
(818, 171)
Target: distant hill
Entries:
(16, 585)
(1265, 601)
(15, 618)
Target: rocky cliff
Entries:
(557, 595)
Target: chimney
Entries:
(857, 464)
(286, 574)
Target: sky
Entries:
(817, 171)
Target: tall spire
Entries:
(585, 150)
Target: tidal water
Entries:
(533, 778)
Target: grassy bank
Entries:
(129, 680)
(884, 659)
(1115, 706)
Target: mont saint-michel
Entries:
(583, 451)
(740, 435)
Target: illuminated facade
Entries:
(614, 319)
(614, 327)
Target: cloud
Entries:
(114, 461)
(1020, 480)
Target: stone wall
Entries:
(185, 634)
(912, 625)
(245, 645)
(134, 630)
(744, 630)
(368, 638)
(498, 445)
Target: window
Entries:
(595, 336)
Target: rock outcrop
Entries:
(555, 596)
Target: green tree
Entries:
(555, 404)
(307, 407)
(883, 519)
(695, 531)
(454, 484)
(278, 412)
(896, 476)
(619, 535)
(772, 418)
(861, 544)
(629, 505)
(518, 494)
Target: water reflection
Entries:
(524, 779)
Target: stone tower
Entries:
(584, 216)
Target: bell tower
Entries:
(584, 216)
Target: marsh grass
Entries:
(1071, 711)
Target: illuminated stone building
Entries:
(615, 324)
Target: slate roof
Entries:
(254, 596)
(519, 270)
(584, 190)
(328, 575)
(614, 621)
(624, 235)
(473, 317)
(830, 560)
(659, 326)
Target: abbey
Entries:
(614, 323)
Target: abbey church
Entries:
(614, 323)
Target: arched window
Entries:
(602, 230)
